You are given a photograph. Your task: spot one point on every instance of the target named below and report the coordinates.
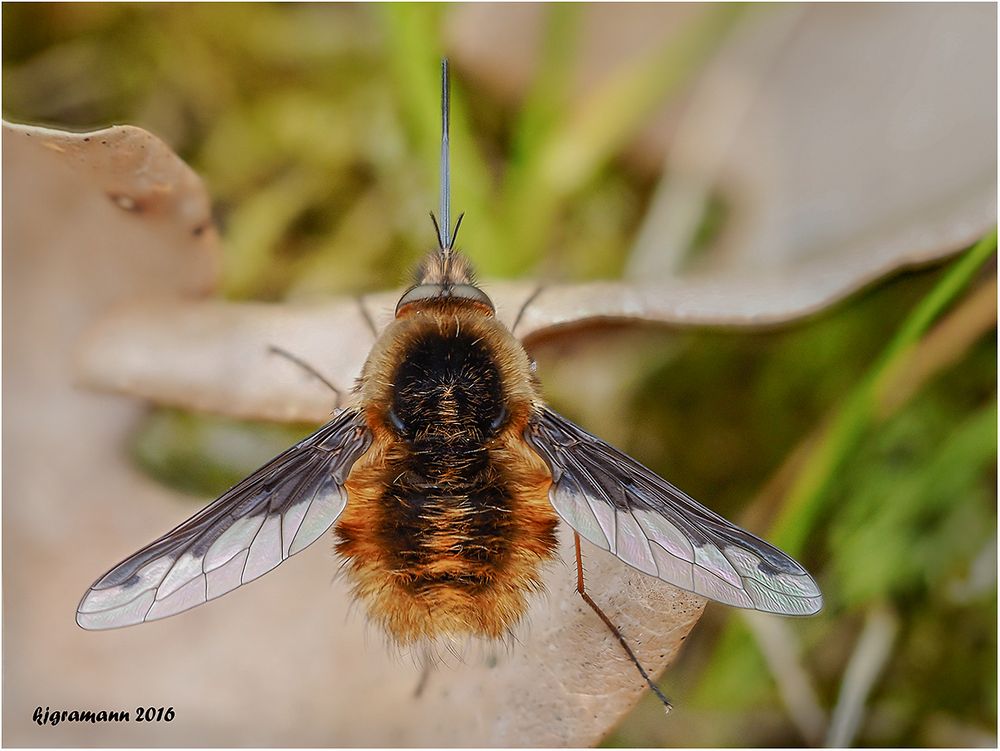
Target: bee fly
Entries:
(445, 482)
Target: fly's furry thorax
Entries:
(447, 320)
(448, 519)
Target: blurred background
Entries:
(635, 143)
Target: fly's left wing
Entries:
(274, 513)
(625, 508)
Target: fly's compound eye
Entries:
(427, 292)
(499, 420)
(398, 424)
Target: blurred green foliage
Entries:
(899, 511)
(910, 517)
(204, 455)
(315, 128)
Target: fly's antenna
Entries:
(444, 230)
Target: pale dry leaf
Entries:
(217, 357)
(70, 253)
(129, 179)
(868, 137)
(287, 660)
(225, 362)
(219, 353)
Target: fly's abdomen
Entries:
(442, 538)
(442, 560)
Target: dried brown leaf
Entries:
(218, 353)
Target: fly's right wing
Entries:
(274, 513)
(625, 508)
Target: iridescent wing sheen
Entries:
(279, 510)
(625, 508)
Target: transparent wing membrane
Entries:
(626, 509)
(276, 512)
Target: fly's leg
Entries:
(581, 589)
(426, 668)
(367, 316)
(308, 369)
(524, 306)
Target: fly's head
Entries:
(444, 277)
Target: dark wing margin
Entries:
(277, 511)
(625, 508)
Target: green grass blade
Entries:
(804, 504)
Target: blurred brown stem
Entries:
(780, 647)
(870, 656)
